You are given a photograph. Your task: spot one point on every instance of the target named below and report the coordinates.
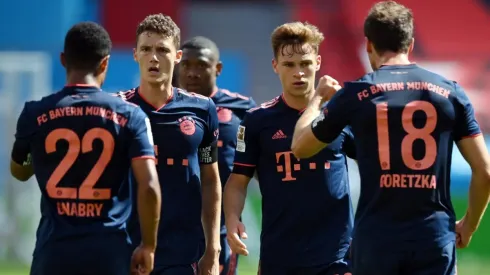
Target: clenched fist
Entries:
(327, 87)
(463, 233)
(142, 261)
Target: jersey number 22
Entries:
(75, 145)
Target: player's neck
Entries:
(390, 58)
(156, 94)
(213, 91)
(208, 93)
(76, 78)
(297, 102)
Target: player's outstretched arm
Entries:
(211, 193)
(475, 153)
(247, 155)
(149, 199)
(234, 202)
(210, 216)
(211, 206)
(305, 143)
(149, 194)
(149, 205)
(21, 163)
(144, 169)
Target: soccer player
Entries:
(306, 206)
(405, 120)
(80, 144)
(198, 69)
(185, 131)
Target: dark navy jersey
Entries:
(81, 142)
(231, 108)
(306, 208)
(405, 120)
(185, 132)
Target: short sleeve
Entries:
(247, 149)
(141, 145)
(466, 124)
(333, 118)
(251, 103)
(247, 105)
(348, 145)
(24, 132)
(208, 149)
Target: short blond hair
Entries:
(296, 34)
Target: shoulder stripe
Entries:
(235, 95)
(253, 109)
(266, 104)
(126, 95)
(187, 93)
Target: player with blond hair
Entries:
(306, 205)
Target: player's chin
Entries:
(299, 90)
(153, 79)
(193, 88)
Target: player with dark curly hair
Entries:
(185, 130)
(80, 143)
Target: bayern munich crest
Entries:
(187, 125)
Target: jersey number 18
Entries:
(413, 134)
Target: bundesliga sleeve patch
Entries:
(240, 136)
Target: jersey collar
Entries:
(395, 66)
(157, 108)
(82, 88)
(286, 105)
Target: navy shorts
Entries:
(176, 270)
(422, 261)
(110, 254)
(337, 268)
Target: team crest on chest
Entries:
(224, 114)
(187, 125)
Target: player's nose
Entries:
(154, 58)
(192, 74)
(299, 74)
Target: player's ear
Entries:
(178, 57)
(412, 45)
(63, 59)
(274, 65)
(104, 64)
(369, 46)
(134, 55)
(318, 62)
(219, 68)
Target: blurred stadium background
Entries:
(452, 38)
